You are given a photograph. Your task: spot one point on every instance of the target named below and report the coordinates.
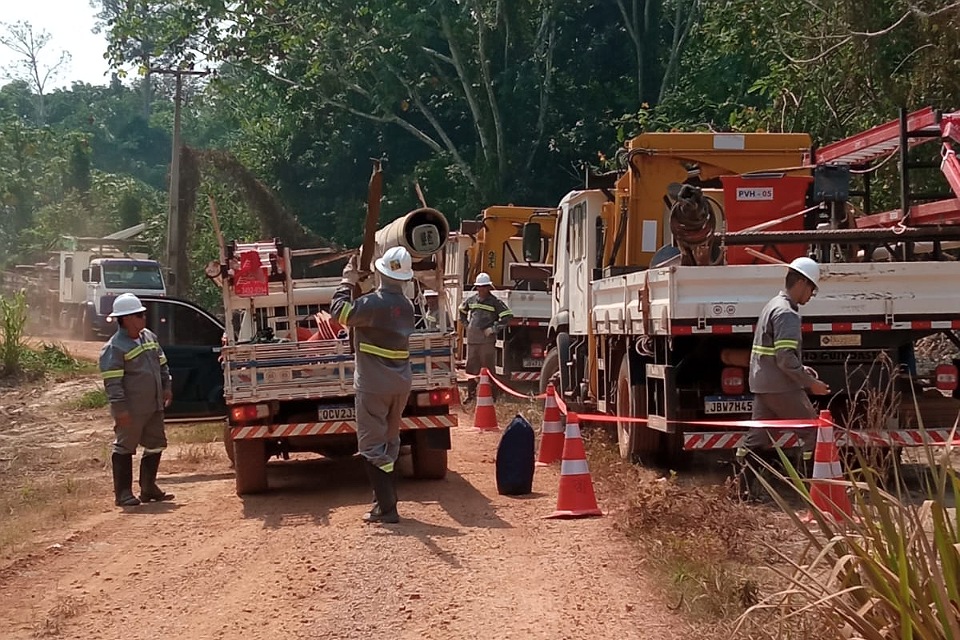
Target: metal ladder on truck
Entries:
(899, 136)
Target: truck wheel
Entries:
(251, 466)
(550, 371)
(428, 464)
(633, 439)
(228, 445)
(86, 322)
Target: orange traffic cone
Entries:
(829, 498)
(484, 415)
(575, 498)
(551, 435)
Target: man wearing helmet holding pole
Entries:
(138, 385)
(382, 322)
(778, 380)
(485, 315)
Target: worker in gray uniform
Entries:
(382, 322)
(778, 379)
(485, 316)
(139, 388)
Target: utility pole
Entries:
(176, 225)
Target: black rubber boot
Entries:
(385, 506)
(149, 465)
(123, 480)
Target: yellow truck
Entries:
(492, 244)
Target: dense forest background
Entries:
(479, 101)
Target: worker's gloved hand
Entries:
(489, 331)
(811, 372)
(352, 274)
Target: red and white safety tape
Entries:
(731, 425)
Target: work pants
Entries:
(378, 426)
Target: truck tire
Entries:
(86, 323)
(428, 464)
(550, 371)
(633, 439)
(228, 445)
(251, 466)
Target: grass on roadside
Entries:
(699, 539)
(196, 443)
(42, 489)
(92, 399)
(195, 433)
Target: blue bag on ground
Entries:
(515, 459)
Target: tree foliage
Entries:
(480, 102)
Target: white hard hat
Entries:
(126, 304)
(396, 263)
(483, 280)
(808, 269)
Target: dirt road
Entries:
(298, 562)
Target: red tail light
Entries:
(946, 377)
(536, 351)
(731, 381)
(435, 398)
(249, 412)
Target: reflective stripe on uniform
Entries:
(764, 351)
(483, 307)
(387, 468)
(785, 344)
(148, 452)
(506, 313)
(112, 374)
(392, 354)
(136, 351)
(344, 312)
(163, 359)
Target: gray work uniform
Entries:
(479, 315)
(383, 321)
(135, 377)
(778, 380)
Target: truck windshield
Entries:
(132, 276)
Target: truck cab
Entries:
(106, 278)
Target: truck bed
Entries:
(728, 299)
(532, 305)
(323, 369)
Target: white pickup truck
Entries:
(286, 395)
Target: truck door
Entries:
(581, 211)
(191, 339)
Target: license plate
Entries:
(277, 375)
(727, 404)
(337, 413)
(533, 363)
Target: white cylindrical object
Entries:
(422, 232)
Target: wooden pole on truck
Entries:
(374, 194)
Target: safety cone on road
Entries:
(829, 498)
(484, 415)
(576, 498)
(551, 435)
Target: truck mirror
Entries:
(85, 275)
(94, 274)
(531, 242)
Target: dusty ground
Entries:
(298, 562)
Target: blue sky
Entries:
(70, 23)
